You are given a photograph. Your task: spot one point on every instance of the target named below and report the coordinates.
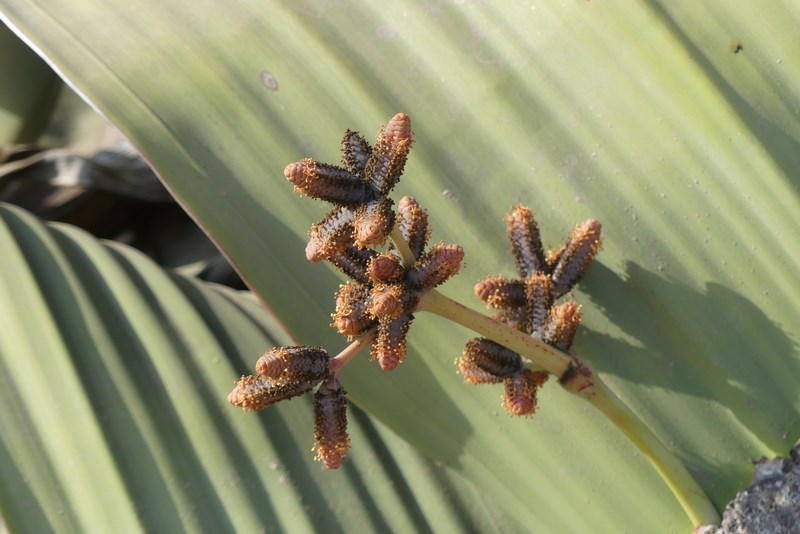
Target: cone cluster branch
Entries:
(286, 372)
(383, 292)
(528, 304)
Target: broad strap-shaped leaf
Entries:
(114, 375)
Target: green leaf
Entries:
(647, 116)
(27, 93)
(114, 417)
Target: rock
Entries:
(770, 504)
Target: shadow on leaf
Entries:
(715, 345)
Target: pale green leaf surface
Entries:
(114, 416)
(640, 115)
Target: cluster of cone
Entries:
(382, 293)
(528, 303)
(362, 215)
(286, 372)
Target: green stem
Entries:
(690, 495)
(540, 353)
(402, 247)
(350, 352)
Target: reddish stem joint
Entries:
(579, 378)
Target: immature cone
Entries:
(583, 244)
(492, 357)
(520, 391)
(387, 301)
(258, 392)
(562, 324)
(330, 423)
(499, 292)
(412, 221)
(435, 266)
(332, 235)
(355, 152)
(385, 164)
(328, 182)
(474, 374)
(294, 363)
(526, 244)
(389, 347)
(385, 268)
(373, 222)
(352, 316)
(354, 262)
(538, 295)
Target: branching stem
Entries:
(352, 350)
